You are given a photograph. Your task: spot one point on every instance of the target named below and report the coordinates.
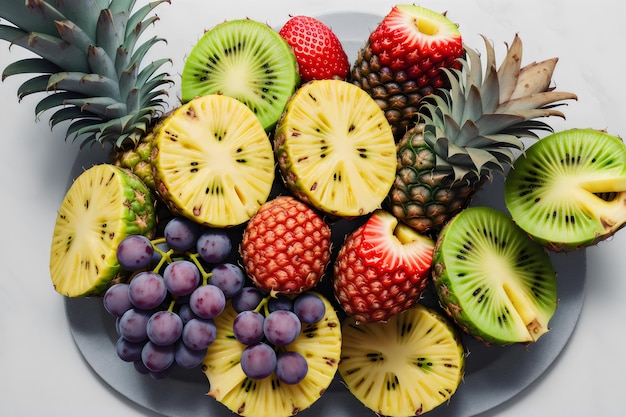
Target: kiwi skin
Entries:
(482, 245)
(568, 191)
(244, 59)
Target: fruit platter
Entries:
(334, 213)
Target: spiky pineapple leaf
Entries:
(29, 65)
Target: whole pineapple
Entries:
(90, 66)
(466, 133)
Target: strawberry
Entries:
(382, 268)
(285, 246)
(318, 51)
(418, 42)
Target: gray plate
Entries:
(493, 374)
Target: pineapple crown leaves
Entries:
(89, 62)
(475, 127)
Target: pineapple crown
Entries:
(90, 62)
(475, 127)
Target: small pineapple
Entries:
(402, 59)
(90, 65)
(286, 246)
(468, 132)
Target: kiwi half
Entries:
(492, 279)
(569, 190)
(244, 59)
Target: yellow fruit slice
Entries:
(213, 161)
(405, 367)
(319, 343)
(103, 206)
(335, 148)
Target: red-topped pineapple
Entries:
(382, 268)
(285, 246)
(402, 60)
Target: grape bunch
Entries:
(179, 283)
(267, 325)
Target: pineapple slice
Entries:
(335, 148)
(103, 206)
(319, 343)
(213, 161)
(404, 367)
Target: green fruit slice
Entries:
(319, 343)
(244, 59)
(213, 161)
(569, 189)
(103, 206)
(407, 366)
(335, 148)
(492, 279)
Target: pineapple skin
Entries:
(397, 94)
(423, 197)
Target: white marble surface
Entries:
(43, 374)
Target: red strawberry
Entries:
(382, 268)
(318, 51)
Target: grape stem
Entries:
(205, 275)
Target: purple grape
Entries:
(214, 246)
(188, 358)
(128, 351)
(164, 328)
(258, 361)
(140, 367)
(207, 301)
(247, 299)
(134, 253)
(132, 325)
(229, 278)
(291, 367)
(280, 302)
(116, 300)
(181, 277)
(248, 327)
(157, 358)
(181, 233)
(186, 313)
(281, 327)
(199, 333)
(164, 373)
(147, 290)
(309, 308)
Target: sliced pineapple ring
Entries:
(213, 161)
(103, 206)
(405, 367)
(336, 149)
(319, 343)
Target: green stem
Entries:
(205, 275)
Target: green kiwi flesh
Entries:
(244, 59)
(569, 189)
(491, 278)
